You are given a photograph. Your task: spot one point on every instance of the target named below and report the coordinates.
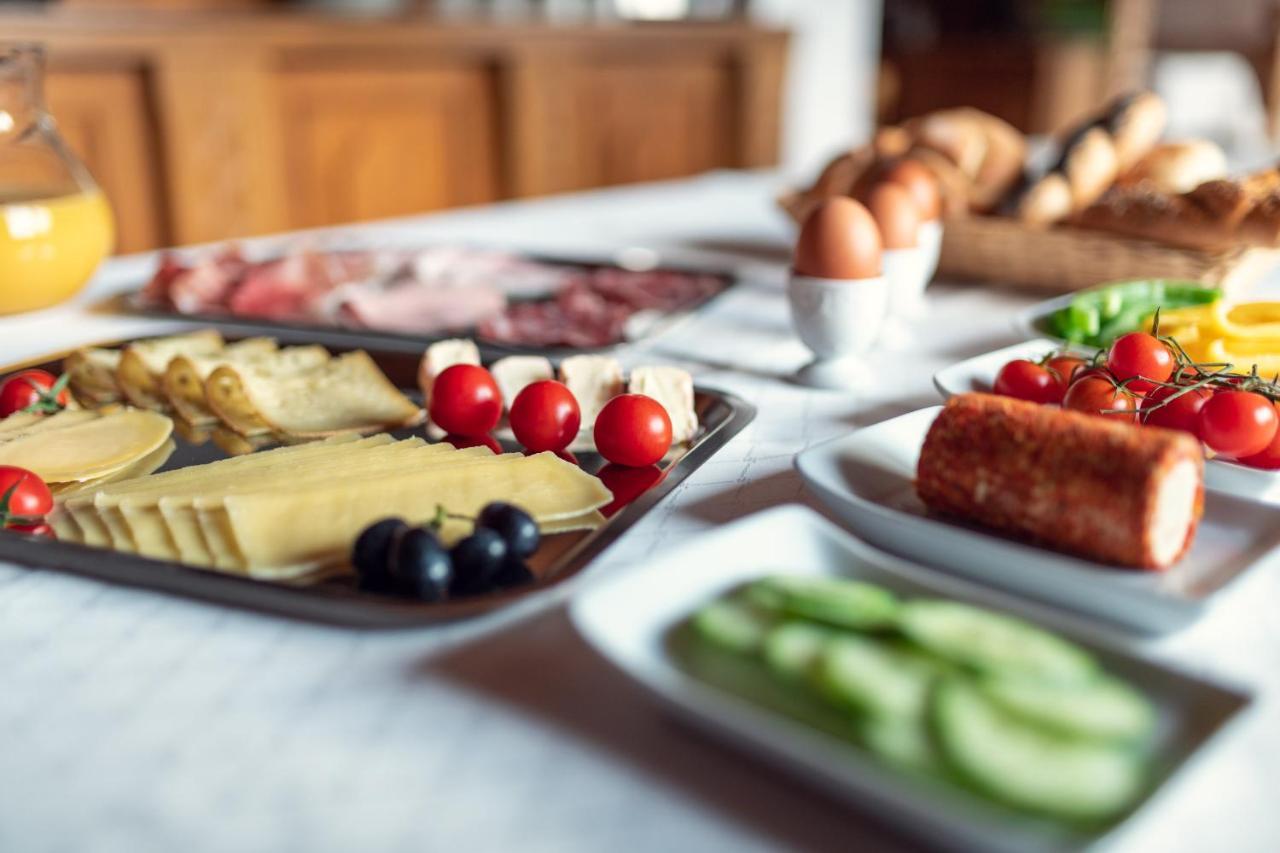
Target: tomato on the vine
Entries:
(34, 390)
(28, 496)
(465, 401)
(1139, 356)
(545, 416)
(1238, 423)
(1097, 395)
(633, 430)
(1065, 367)
(1268, 457)
(1026, 380)
(1180, 412)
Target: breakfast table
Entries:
(138, 721)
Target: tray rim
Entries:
(343, 606)
(658, 674)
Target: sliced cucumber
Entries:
(1103, 709)
(833, 601)
(904, 743)
(1027, 766)
(875, 677)
(732, 625)
(992, 642)
(791, 650)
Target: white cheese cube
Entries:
(441, 355)
(673, 388)
(594, 381)
(515, 372)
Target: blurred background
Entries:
(208, 119)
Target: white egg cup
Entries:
(839, 320)
(908, 273)
(930, 238)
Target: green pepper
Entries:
(1099, 315)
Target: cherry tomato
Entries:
(545, 416)
(1026, 380)
(462, 442)
(1238, 423)
(465, 401)
(634, 430)
(32, 388)
(1268, 457)
(1182, 412)
(41, 529)
(627, 484)
(31, 498)
(1141, 355)
(1064, 367)
(1096, 394)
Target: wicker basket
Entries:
(1060, 259)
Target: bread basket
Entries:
(1062, 258)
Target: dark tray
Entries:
(335, 335)
(338, 599)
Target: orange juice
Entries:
(49, 247)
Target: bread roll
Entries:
(1135, 122)
(1090, 165)
(1178, 167)
(1046, 201)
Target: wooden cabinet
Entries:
(206, 127)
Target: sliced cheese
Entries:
(349, 393)
(91, 374)
(441, 355)
(594, 381)
(90, 449)
(224, 392)
(47, 423)
(141, 468)
(142, 364)
(514, 373)
(673, 388)
(184, 376)
(18, 420)
(587, 521)
(316, 526)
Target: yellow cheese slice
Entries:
(141, 468)
(48, 423)
(80, 506)
(91, 374)
(219, 539)
(348, 393)
(18, 420)
(182, 382)
(586, 521)
(142, 364)
(316, 526)
(90, 449)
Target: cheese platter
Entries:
(397, 298)
(297, 464)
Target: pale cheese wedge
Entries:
(673, 388)
(184, 376)
(317, 526)
(594, 381)
(142, 364)
(349, 393)
(80, 506)
(441, 355)
(90, 449)
(91, 374)
(144, 466)
(514, 373)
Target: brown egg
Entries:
(896, 214)
(920, 182)
(839, 239)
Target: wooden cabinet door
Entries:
(104, 117)
(368, 144)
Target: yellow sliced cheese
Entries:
(142, 364)
(90, 449)
(348, 393)
(587, 521)
(91, 374)
(183, 380)
(141, 468)
(316, 526)
(48, 423)
(18, 420)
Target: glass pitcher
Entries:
(55, 224)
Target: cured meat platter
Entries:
(403, 298)
(318, 466)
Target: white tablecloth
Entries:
(132, 721)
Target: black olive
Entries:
(514, 572)
(371, 554)
(514, 525)
(422, 566)
(476, 561)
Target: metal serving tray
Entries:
(642, 326)
(339, 599)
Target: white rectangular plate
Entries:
(628, 617)
(979, 374)
(868, 479)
